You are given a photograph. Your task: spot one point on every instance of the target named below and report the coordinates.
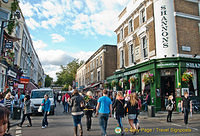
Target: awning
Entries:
(94, 85)
(30, 87)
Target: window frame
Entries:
(144, 48)
(143, 16)
(130, 27)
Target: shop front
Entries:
(161, 78)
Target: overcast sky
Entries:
(65, 29)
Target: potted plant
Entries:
(122, 80)
(133, 80)
(187, 76)
(113, 83)
(148, 78)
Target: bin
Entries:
(151, 111)
(16, 112)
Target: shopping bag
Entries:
(40, 108)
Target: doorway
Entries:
(167, 88)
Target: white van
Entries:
(37, 95)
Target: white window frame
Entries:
(97, 62)
(122, 59)
(130, 26)
(101, 60)
(146, 47)
(131, 54)
(143, 16)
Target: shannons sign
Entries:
(164, 27)
(193, 65)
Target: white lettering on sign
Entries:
(193, 65)
(164, 26)
(12, 74)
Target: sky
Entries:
(63, 30)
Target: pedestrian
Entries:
(77, 104)
(46, 104)
(147, 101)
(4, 121)
(179, 106)
(170, 104)
(104, 108)
(89, 108)
(132, 107)
(59, 98)
(139, 109)
(64, 100)
(27, 111)
(8, 102)
(119, 109)
(1, 99)
(186, 106)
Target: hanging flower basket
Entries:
(148, 78)
(187, 76)
(133, 80)
(113, 83)
(124, 81)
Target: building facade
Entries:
(158, 41)
(20, 65)
(102, 64)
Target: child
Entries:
(179, 105)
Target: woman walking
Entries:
(4, 121)
(170, 104)
(89, 108)
(8, 102)
(132, 107)
(77, 103)
(46, 103)
(27, 111)
(119, 108)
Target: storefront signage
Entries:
(12, 74)
(192, 65)
(164, 26)
(131, 72)
(24, 80)
(8, 44)
(161, 65)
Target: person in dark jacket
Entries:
(119, 108)
(171, 104)
(4, 121)
(27, 111)
(132, 107)
(186, 106)
(89, 108)
(77, 104)
(46, 106)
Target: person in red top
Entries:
(65, 97)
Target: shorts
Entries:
(131, 116)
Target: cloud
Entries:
(57, 38)
(51, 70)
(82, 55)
(27, 9)
(31, 23)
(39, 44)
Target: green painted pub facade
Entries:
(167, 79)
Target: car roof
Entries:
(43, 89)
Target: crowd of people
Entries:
(103, 105)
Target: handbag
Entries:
(40, 108)
(169, 108)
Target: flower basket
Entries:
(124, 81)
(148, 78)
(187, 76)
(133, 80)
(113, 83)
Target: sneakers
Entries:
(46, 126)
(43, 126)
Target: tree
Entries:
(48, 81)
(68, 73)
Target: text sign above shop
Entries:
(165, 65)
(192, 65)
(131, 72)
(12, 74)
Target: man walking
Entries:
(186, 105)
(104, 108)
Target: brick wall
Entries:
(149, 11)
(152, 44)
(136, 23)
(126, 55)
(125, 31)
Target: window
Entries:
(142, 16)
(131, 57)
(16, 56)
(121, 34)
(130, 26)
(121, 58)
(91, 77)
(18, 31)
(101, 60)
(144, 47)
(98, 75)
(97, 61)
(93, 64)
(90, 65)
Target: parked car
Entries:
(37, 95)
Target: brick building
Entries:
(97, 68)
(161, 38)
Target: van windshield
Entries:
(40, 94)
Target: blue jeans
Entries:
(44, 121)
(119, 120)
(65, 107)
(77, 119)
(103, 121)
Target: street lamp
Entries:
(17, 14)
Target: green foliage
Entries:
(48, 81)
(68, 73)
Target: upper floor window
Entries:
(101, 60)
(90, 65)
(142, 16)
(97, 61)
(144, 47)
(17, 31)
(130, 26)
(98, 75)
(121, 34)
(131, 57)
(121, 58)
